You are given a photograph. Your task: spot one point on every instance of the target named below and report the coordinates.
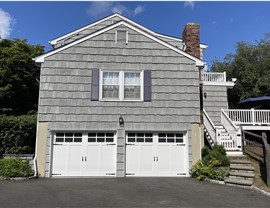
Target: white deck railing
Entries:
(248, 116)
(214, 77)
(233, 140)
(209, 125)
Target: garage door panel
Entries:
(84, 154)
(107, 159)
(156, 154)
(139, 159)
(60, 159)
(74, 159)
(146, 158)
(178, 164)
(132, 158)
(164, 158)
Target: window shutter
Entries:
(95, 85)
(147, 86)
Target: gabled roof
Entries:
(54, 41)
(199, 62)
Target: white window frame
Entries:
(121, 85)
(116, 36)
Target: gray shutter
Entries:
(147, 86)
(95, 85)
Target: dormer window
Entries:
(121, 36)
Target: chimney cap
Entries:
(192, 23)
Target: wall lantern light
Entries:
(205, 95)
(121, 121)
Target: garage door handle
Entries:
(157, 159)
(154, 159)
(82, 158)
(85, 158)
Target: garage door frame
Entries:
(184, 147)
(84, 158)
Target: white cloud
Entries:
(189, 4)
(139, 9)
(100, 9)
(6, 23)
(214, 22)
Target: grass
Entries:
(259, 175)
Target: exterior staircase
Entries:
(242, 172)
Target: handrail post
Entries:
(224, 74)
(253, 116)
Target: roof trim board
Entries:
(54, 41)
(199, 62)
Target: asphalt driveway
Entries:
(126, 192)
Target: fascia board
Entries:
(199, 62)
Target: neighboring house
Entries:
(117, 99)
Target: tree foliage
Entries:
(251, 66)
(18, 76)
(17, 134)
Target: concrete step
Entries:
(238, 182)
(241, 175)
(242, 167)
(240, 162)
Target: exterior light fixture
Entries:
(121, 121)
(205, 95)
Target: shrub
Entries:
(204, 172)
(17, 134)
(218, 153)
(15, 167)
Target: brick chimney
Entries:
(191, 37)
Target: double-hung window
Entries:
(121, 85)
(110, 85)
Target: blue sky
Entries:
(222, 23)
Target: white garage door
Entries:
(84, 154)
(156, 154)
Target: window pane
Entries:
(110, 91)
(68, 139)
(59, 139)
(131, 139)
(91, 139)
(109, 139)
(148, 140)
(69, 135)
(102, 139)
(77, 139)
(161, 140)
(91, 134)
(132, 92)
(140, 139)
(60, 134)
(170, 140)
(132, 78)
(110, 78)
(78, 134)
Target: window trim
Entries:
(116, 37)
(121, 85)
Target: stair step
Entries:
(243, 175)
(242, 167)
(243, 162)
(240, 182)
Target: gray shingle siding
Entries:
(215, 100)
(65, 87)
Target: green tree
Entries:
(18, 76)
(251, 66)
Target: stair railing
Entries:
(233, 131)
(209, 125)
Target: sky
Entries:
(222, 24)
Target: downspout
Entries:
(201, 94)
(35, 157)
